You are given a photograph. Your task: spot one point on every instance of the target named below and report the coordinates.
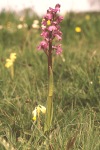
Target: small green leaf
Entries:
(49, 113)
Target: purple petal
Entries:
(59, 50)
(52, 28)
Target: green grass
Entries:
(76, 120)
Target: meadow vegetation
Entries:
(76, 120)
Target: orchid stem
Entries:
(49, 112)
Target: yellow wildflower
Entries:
(42, 109)
(9, 63)
(13, 56)
(37, 110)
(78, 29)
(34, 114)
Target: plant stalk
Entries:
(49, 111)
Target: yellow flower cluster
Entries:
(37, 110)
(78, 29)
(10, 61)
